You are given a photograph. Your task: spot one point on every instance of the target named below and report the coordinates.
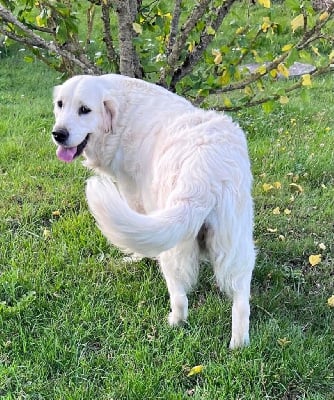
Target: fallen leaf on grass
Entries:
(322, 246)
(330, 301)
(56, 213)
(46, 234)
(267, 186)
(283, 342)
(296, 188)
(276, 211)
(264, 3)
(195, 370)
(314, 259)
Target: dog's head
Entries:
(84, 117)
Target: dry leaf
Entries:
(196, 370)
(323, 16)
(282, 69)
(306, 80)
(267, 186)
(314, 259)
(297, 22)
(287, 47)
(264, 3)
(276, 211)
(46, 233)
(283, 341)
(296, 188)
(330, 301)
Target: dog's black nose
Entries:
(60, 135)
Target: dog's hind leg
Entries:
(180, 267)
(233, 260)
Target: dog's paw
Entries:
(176, 320)
(237, 343)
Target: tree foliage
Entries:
(232, 50)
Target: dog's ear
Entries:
(110, 114)
(56, 91)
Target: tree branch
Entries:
(129, 62)
(32, 39)
(177, 44)
(206, 38)
(252, 103)
(107, 36)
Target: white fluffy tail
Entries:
(148, 235)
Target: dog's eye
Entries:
(84, 110)
(60, 104)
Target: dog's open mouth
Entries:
(68, 154)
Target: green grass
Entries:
(76, 323)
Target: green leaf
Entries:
(268, 106)
(294, 5)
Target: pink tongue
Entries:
(66, 153)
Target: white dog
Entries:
(175, 183)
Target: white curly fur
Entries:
(175, 183)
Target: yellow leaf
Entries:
(287, 211)
(287, 47)
(248, 91)
(262, 69)
(196, 370)
(284, 99)
(276, 211)
(137, 28)
(56, 213)
(218, 56)
(266, 24)
(210, 30)
(46, 233)
(272, 230)
(306, 80)
(315, 50)
(191, 46)
(240, 30)
(225, 78)
(330, 301)
(277, 185)
(40, 21)
(296, 188)
(282, 69)
(267, 186)
(227, 102)
(314, 259)
(273, 73)
(297, 22)
(264, 3)
(323, 16)
(283, 342)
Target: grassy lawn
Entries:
(77, 323)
